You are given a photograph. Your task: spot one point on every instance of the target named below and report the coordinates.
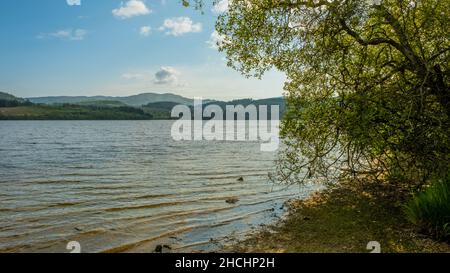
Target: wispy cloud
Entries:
(130, 9)
(178, 26)
(73, 2)
(66, 34)
(134, 76)
(145, 31)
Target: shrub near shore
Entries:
(430, 209)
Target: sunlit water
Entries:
(127, 186)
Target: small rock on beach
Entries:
(232, 200)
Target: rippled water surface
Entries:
(126, 186)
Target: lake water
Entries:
(126, 186)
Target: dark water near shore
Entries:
(127, 186)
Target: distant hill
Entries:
(135, 101)
(8, 100)
(14, 108)
(162, 110)
(280, 101)
(114, 108)
(102, 103)
(9, 97)
(72, 112)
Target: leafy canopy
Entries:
(367, 81)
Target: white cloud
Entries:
(221, 6)
(66, 34)
(216, 40)
(131, 8)
(73, 2)
(180, 25)
(145, 31)
(133, 76)
(167, 76)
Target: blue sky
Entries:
(113, 47)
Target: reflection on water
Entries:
(126, 185)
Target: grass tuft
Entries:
(430, 210)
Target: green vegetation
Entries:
(367, 86)
(13, 108)
(72, 112)
(102, 103)
(246, 102)
(8, 100)
(14, 103)
(6, 96)
(160, 110)
(343, 219)
(431, 209)
(134, 101)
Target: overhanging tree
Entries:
(368, 82)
